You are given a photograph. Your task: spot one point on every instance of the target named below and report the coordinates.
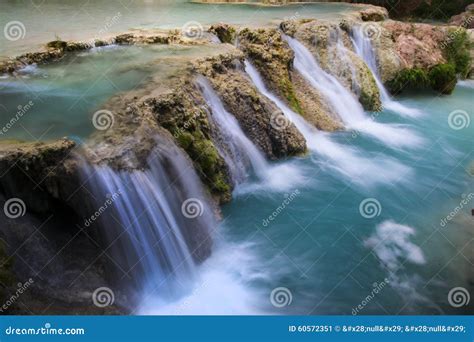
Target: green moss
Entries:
(287, 89)
(443, 78)
(409, 79)
(457, 51)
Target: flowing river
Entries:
(366, 209)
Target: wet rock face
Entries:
(374, 14)
(260, 119)
(38, 173)
(41, 242)
(333, 49)
(183, 114)
(270, 54)
(464, 19)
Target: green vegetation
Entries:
(443, 78)
(457, 51)
(415, 78)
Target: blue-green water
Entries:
(83, 20)
(318, 245)
(65, 95)
(321, 248)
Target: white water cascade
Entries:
(363, 47)
(156, 223)
(345, 104)
(344, 159)
(238, 145)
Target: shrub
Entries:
(443, 78)
(409, 79)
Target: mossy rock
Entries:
(225, 32)
(457, 51)
(57, 44)
(415, 78)
(443, 78)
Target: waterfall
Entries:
(156, 222)
(345, 104)
(239, 150)
(363, 47)
(346, 160)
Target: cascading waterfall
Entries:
(156, 223)
(345, 159)
(345, 104)
(363, 47)
(239, 146)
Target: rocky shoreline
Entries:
(46, 175)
